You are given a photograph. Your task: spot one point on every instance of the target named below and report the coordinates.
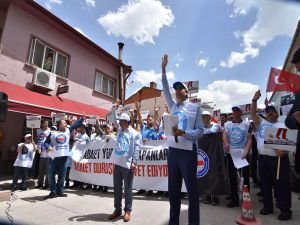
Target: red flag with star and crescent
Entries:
(281, 80)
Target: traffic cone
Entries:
(247, 216)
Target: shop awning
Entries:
(23, 100)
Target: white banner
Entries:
(92, 164)
(280, 138)
(33, 121)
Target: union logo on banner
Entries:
(202, 163)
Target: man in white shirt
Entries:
(124, 156)
(42, 134)
(268, 163)
(236, 138)
(23, 162)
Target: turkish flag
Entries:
(280, 80)
(291, 79)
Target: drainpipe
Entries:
(122, 91)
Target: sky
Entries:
(229, 46)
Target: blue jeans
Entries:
(20, 172)
(120, 174)
(57, 165)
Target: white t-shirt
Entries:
(41, 137)
(60, 143)
(82, 137)
(260, 135)
(237, 134)
(25, 158)
(214, 128)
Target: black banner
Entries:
(214, 181)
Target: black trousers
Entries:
(182, 164)
(232, 173)
(282, 187)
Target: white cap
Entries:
(27, 135)
(124, 116)
(206, 113)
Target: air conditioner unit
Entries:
(44, 78)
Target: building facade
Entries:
(40, 56)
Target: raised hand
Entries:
(164, 63)
(256, 95)
(156, 108)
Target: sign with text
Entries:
(286, 103)
(92, 164)
(92, 120)
(144, 114)
(193, 86)
(57, 117)
(281, 138)
(33, 121)
(195, 100)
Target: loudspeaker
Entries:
(3, 106)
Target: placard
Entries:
(33, 121)
(280, 138)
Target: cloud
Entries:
(80, 31)
(202, 62)
(178, 57)
(140, 20)
(177, 65)
(145, 77)
(213, 69)
(265, 28)
(90, 3)
(50, 3)
(226, 93)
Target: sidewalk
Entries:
(88, 207)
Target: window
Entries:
(48, 58)
(104, 84)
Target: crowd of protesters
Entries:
(236, 134)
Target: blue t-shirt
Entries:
(148, 133)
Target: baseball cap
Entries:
(236, 107)
(179, 84)
(296, 56)
(124, 116)
(27, 135)
(206, 113)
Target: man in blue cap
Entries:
(182, 153)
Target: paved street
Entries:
(88, 207)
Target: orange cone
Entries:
(247, 216)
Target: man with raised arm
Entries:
(268, 164)
(124, 156)
(182, 153)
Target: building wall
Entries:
(21, 26)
